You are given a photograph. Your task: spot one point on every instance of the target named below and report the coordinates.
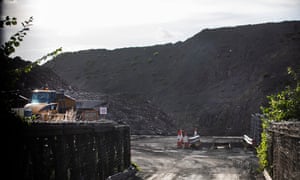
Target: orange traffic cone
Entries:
(186, 141)
(179, 139)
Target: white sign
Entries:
(103, 110)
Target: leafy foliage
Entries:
(262, 149)
(8, 21)
(9, 75)
(9, 72)
(9, 47)
(286, 104)
(282, 106)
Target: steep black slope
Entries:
(140, 114)
(38, 77)
(213, 81)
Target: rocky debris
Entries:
(141, 115)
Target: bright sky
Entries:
(109, 24)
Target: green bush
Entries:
(282, 106)
(262, 149)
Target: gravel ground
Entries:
(159, 158)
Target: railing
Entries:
(256, 128)
(248, 140)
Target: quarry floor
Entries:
(159, 158)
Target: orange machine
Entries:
(49, 101)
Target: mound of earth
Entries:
(140, 115)
(213, 81)
(38, 77)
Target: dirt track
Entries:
(159, 158)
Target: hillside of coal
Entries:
(141, 115)
(213, 81)
(38, 77)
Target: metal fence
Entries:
(75, 150)
(256, 128)
(284, 150)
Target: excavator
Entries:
(47, 103)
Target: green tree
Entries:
(284, 105)
(9, 72)
(13, 126)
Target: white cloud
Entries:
(164, 35)
(77, 24)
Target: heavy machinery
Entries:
(50, 102)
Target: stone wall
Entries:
(75, 150)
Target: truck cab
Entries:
(42, 100)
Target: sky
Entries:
(110, 24)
